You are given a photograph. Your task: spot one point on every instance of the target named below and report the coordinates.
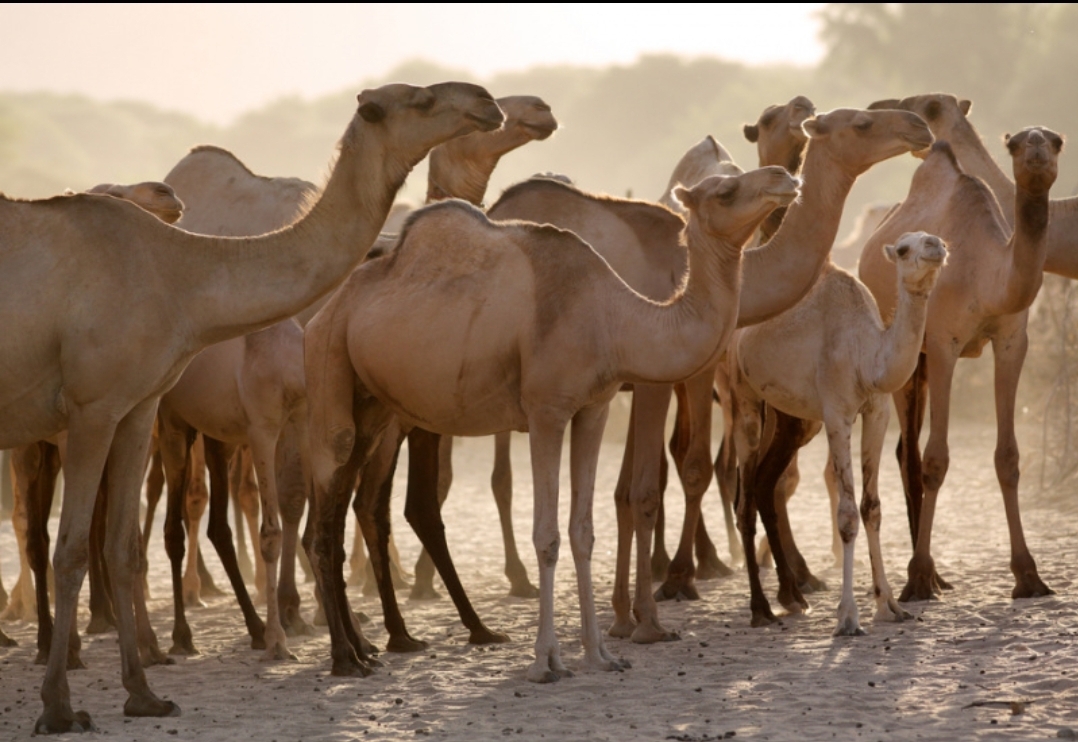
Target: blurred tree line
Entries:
(625, 126)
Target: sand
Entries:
(975, 664)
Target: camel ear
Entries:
(752, 132)
(372, 113)
(884, 105)
(1011, 140)
(685, 197)
(965, 106)
(889, 253)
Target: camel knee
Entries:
(645, 503)
(123, 559)
(269, 541)
(934, 469)
(696, 472)
(341, 442)
(847, 519)
(1007, 466)
(581, 540)
(870, 512)
(546, 548)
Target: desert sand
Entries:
(974, 664)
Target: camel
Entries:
(842, 145)
(947, 117)
(34, 475)
(257, 382)
(830, 359)
(984, 296)
(845, 253)
(705, 158)
(780, 140)
(527, 293)
(82, 253)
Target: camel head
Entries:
(856, 140)
(919, 256)
(406, 122)
(157, 198)
(731, 207)
(778, 135)
(943, 113)
(528, 114)
(1035, 152)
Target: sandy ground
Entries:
(950, 674)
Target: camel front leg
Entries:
(23, 604)
(1010, 354)
(921, 584)
(726, 460)
(873, 429)
(442, 471)
(175, 438)
(838, 444)
(263, 443)
(89, 439)
(585, 440)
(650, 404)
(624, 623)
(546, 431)
(293, 478)
(102, 616)
(126, 465)
(501, 484)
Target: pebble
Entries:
(1067, 733)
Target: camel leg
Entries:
(89, 439)
(585, 439)
(423, 589)
(263, 443)
(194, 509)
(726, 463)
(247, 497)
(372, 515)
(838, 444)
(910, 403)
(546, 433)
(175, 439)
(922, 568)
(102, 617)
(750, 432)
(501, 484)
(155, 485)
(220, 535)
(784, 490)
(23, 605)
(236, 473)
(423, 512)
(1010, 354)
(832, 495)
(660, 558)
(873, 429)
(779, 452)
(293, 474)
(650, 404)
(624, 623)
(357, 563)
(126, 467)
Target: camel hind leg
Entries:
(501, 484)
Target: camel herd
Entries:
(256, 342)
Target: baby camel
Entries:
(830, 358)
(496, 312)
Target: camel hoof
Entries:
(74, 662)
(848, 629)
(152, 655)
(483, 635)
(524, 590)
(185, 648)
(918, 588)
(100, 624)
(622, 629)
(193, 599)
(939, 584)
(546, 676)
(298, 627)
(424, 592)
(152, 706)
(7, 641)
(676, 591)
(351, 668)
(647, 633)
(762, 616)
(53, 723)
(1031, 588)
(892, 612)
(405, 644)
(810, 583)
(277, 653)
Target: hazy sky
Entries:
(216, 61)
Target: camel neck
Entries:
(664, 342)
(1022, 275)
(462, 168)
(971, 152)
(240, 285)
(1062, 257)
(777, 275)
(901, 342)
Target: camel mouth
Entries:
(783, 196)
(920, 144)
(487, 121)
(540, 131)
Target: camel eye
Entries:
(902, 250)
(863, 125)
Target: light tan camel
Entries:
(780, 140)
(842, 145)
(704, 159)
(846, 253)
(89, 259)
(983, 296)
(830, 359)
(485, 298)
